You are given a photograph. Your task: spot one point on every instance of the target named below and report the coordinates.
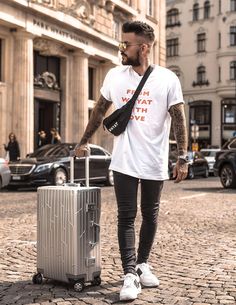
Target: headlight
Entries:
(43, 167)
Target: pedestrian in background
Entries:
(12, 148)
(140, 153)
(56, 138)
(42, 138)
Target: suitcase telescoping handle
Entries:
(72, 168)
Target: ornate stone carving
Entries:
(81, 9)
(110, 6)
(49, 48)
(46, 80)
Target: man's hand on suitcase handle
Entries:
(82, 150)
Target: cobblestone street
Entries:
(194, 254)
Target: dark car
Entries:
(50, 164)
(225, 164)
(198, 165)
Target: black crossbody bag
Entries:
(116, 122)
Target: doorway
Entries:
(45, 117)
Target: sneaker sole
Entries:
(126, 298)
(149, 286)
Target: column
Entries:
(77, 110)
(23, 102)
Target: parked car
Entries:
(5, 173)
(198, 165)
(50, 164)
(225, 164)
(210, 154)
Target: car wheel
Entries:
(206, 174)
(59, 177)
(190, 173)
(110, 178)
(228, 176)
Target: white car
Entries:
(5, 173)
(209, 154)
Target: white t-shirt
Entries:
(142, 149)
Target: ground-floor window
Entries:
(228, 119)
(200, 123)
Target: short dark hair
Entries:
(140, 29)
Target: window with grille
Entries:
(172, 47)
(195, 11)
(201, 42)
(233, 70)
(233, 35)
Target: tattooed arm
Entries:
(179, 123)
(95, 121)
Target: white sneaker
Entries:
(147, 278)
(131, 287)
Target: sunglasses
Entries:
(124, 45)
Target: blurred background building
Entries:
(201, 50)
(54, 55)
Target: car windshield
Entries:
(51, 150)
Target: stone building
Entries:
(201, 49)
(54, 55)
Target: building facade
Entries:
(201, 50)
(54, 55)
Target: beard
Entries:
(127, 61)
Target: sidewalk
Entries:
(194, 253)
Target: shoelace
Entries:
(147, 267)
(128, 281)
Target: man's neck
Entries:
(141, 69)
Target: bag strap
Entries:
(140, 85)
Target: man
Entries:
(140, 154)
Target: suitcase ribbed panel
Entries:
(68, 245)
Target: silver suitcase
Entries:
(68, 233)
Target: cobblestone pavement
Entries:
(194, 253)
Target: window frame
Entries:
(201, 74)
(150, 5)
(172, 47)
(232, 69)
(207, 9)
(201, 42)
(195, 12)
(232, 34)
(233, 5)
(172, 17)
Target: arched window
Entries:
(172, 17)
(233, 70)
(195, 11)
(201, 74)
(207, 9)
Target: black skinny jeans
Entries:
(126, 189)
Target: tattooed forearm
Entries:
(96, 118)
(179, 124)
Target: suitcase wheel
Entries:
(37, 278)
(79, 286)
(97, 281)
